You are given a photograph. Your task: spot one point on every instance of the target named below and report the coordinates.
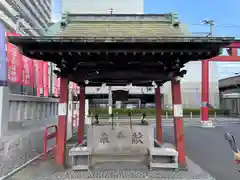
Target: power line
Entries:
(211, 24)
(219, 25)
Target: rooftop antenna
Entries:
(111, 10)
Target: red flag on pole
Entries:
(25, 72)
(31, 72)
(55, 85)
(28, 72)
(45, 78)
(39, 76)
(75, 89)
(35, 71)
(14, 62)
(78, 90)
(58, 86)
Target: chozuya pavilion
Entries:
(117, 50)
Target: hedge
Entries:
(151, 111)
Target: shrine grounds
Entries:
(205, 147)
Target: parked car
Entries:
(131, 106)
(150, 105)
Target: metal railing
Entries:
(47, 136)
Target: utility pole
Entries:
(211, 25)
(111, 10)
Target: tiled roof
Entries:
(123, 29)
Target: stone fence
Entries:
(23, 120)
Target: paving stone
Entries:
(128, 171)
(47, 170)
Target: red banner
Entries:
(78, 90)
(75, 89)
(39, 76)
(27, 73)
(14, 62)
(45, 79)
(35, 71)
(31, 72)
(56, 86)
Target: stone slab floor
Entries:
(47, 170)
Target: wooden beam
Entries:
(124, 83)
(232, 51)
(235, 44)
(225, 59)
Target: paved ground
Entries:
(206, 147)
(47, 170)
(196, 122)
(209, 149)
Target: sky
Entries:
(225, 13)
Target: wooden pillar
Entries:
(205, 91)
(178, 121)
(62, 122)
(158, 114)
(81, 120)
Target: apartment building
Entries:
(31, 16)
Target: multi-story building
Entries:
(27, 17)
(32, 16)
(191, 86)
(103, 7)
(191, 83)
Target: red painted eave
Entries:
(235, 44)
(226, 58)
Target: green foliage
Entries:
(151, 111)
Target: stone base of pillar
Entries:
(207, 124)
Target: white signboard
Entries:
(177, 110)
(62, 109)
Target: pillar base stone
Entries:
(207, 124)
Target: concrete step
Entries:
(83, 159)
(79, 157)
(163, 158)
(98, 159)
(120, 166)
